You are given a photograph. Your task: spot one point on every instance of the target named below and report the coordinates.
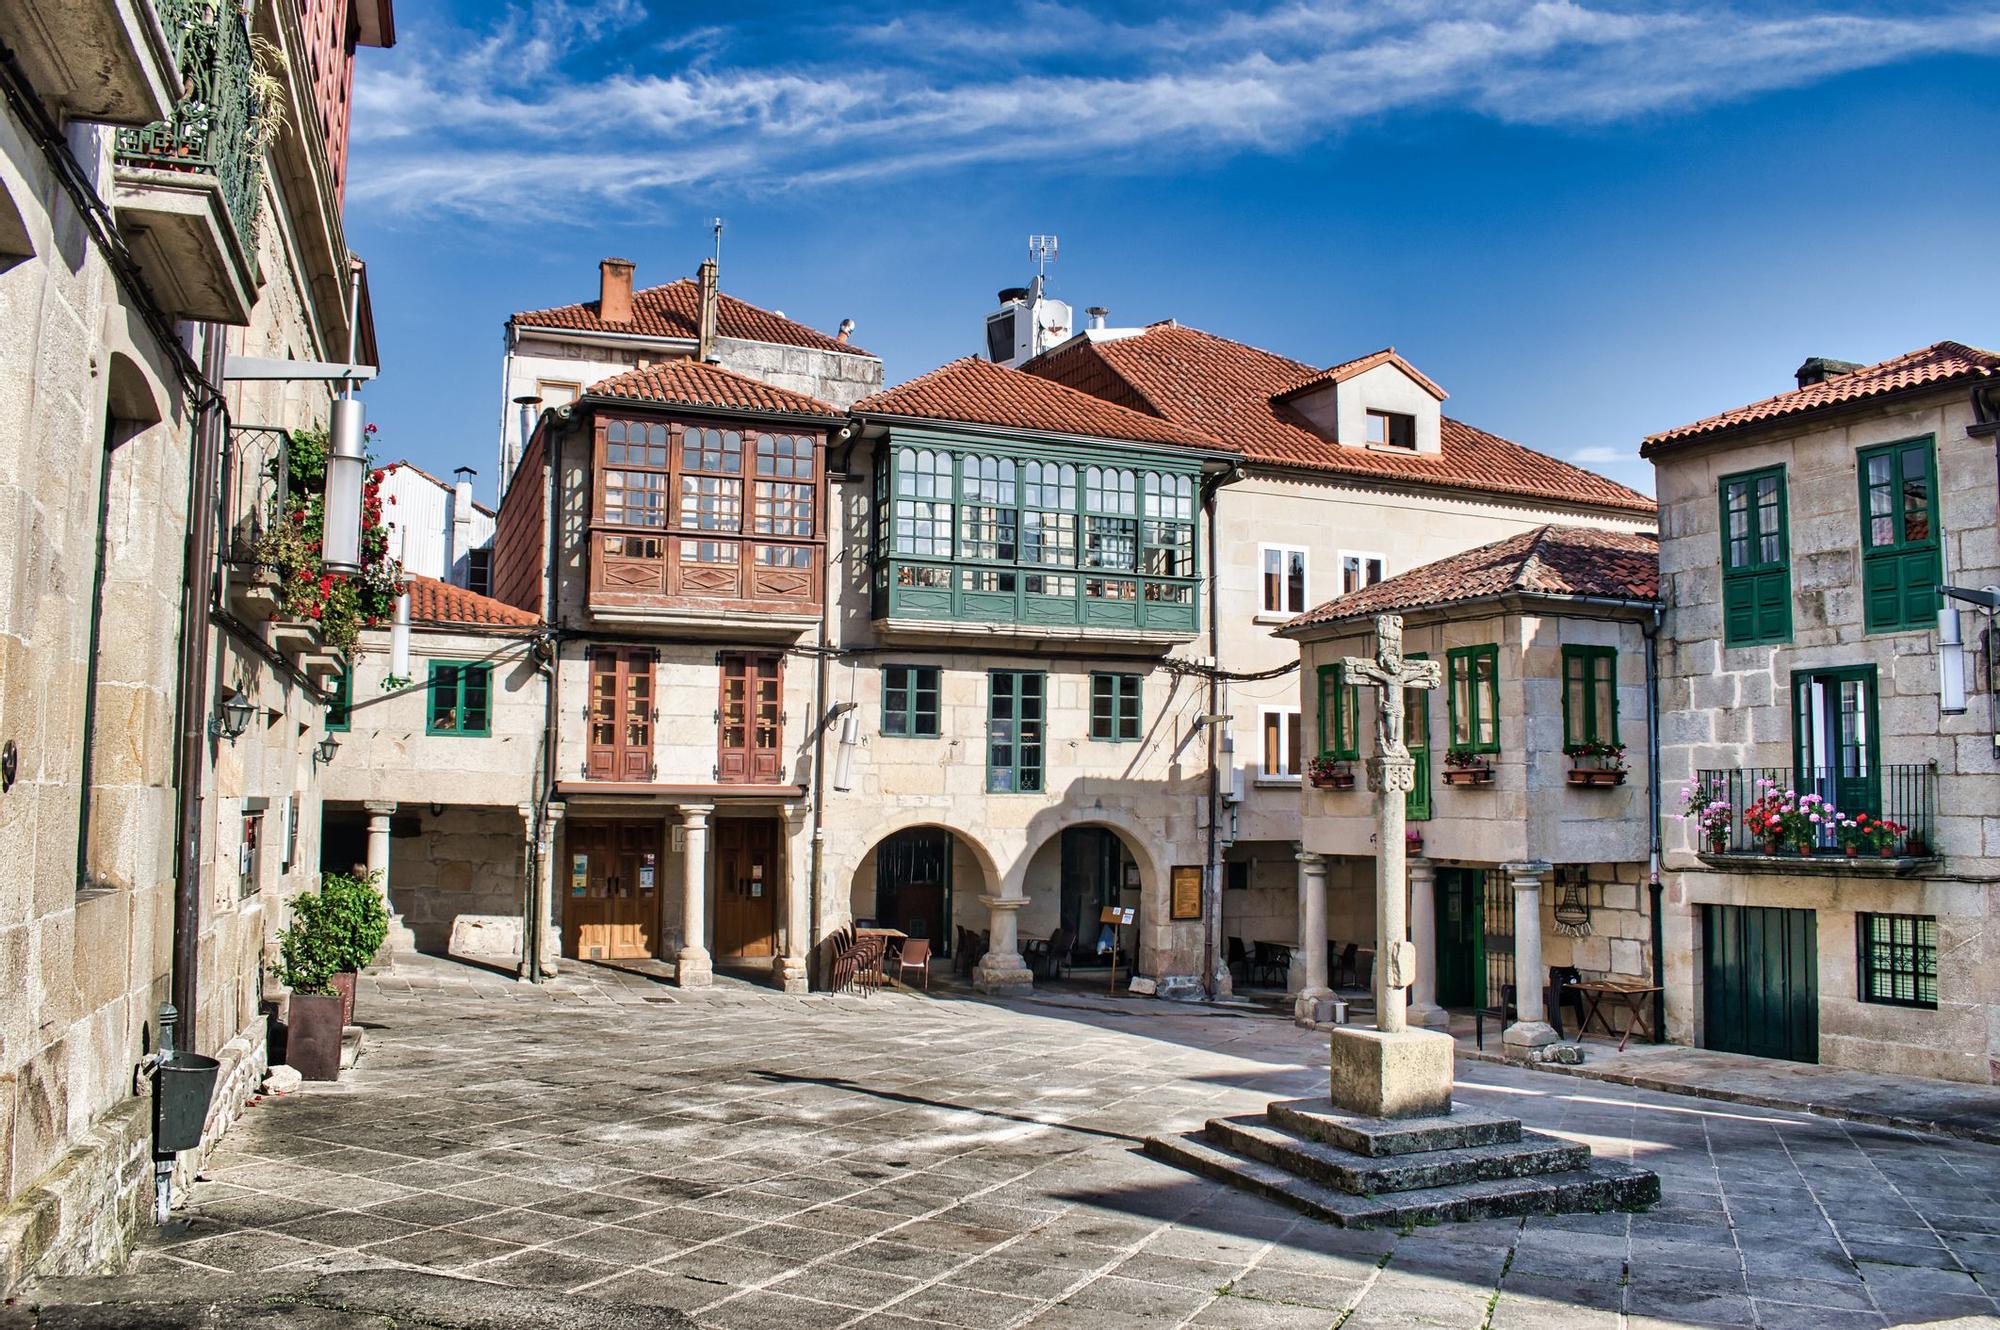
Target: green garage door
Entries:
(1760, 985)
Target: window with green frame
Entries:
(1836, 737)
(1590, 696)
(1898, 955)
(1417, 738)
(1472, 698)
(910, 701)
(1114, 707)
(339, 707)
(1901, 558)
(1756, 558)
(1014, 719)
(1338, 707)
(461, 699)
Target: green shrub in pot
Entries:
(311, 950)
(355, 915)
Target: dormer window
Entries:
(1391, 429)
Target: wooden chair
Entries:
(915, 953)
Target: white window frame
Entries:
(1340, 568)
(542, 387)
(1264, 611)
(1293, 721)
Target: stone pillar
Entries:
(1002, 969)
(1527, 1036)
(1312, 939)
(400, 938)
(1424, 1009)
(789, 967)
(693, 968)
(548, 872)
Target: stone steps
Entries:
(1533, 1155)
(1469, 1163)
(1601, 1185)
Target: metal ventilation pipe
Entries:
(1098, 314)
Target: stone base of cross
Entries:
(1391, 1070)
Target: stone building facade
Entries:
(1803, 542)
(157, 851)
(1533, 798)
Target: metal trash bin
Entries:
(182, 1089)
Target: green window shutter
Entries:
(1590, 695)
(1901, 545)
(1472, 675)
(1756, 558)
(1417, 738)
(1837, 737)
(443, 713)
(339, 710)
(1337, 715)
(475, 701)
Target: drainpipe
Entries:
(193, 702)
(1212, 860)
(540, 887)
(850, 435)
(1653, 890)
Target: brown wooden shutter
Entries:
(749, 733)
(621, 715)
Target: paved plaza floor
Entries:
(757, 1160)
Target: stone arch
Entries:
(927, 817)
(1137, 837)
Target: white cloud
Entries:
(541, 109)
(1597, 455)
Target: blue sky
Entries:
(1587, 219)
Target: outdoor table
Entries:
(1634, 998)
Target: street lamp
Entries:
(346, 471)
(324, 750)
(233, 718)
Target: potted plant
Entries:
(1915, 845)
(1711, 814)
(1599, 762)
(309, 954)
(1462, 766)
(1330, 773)
(1413, 841)
(352, 909)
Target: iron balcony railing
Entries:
(1904, 794)
(215, 128)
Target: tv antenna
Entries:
(1042, 251)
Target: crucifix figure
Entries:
(1391, 775)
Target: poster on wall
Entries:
(1185, 901)
(579, 874)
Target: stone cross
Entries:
(1391, 775)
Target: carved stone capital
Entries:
(1392, 775)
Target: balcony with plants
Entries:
(187, 188)
(319, 614)
(1772, 819)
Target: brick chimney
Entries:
(614, 290)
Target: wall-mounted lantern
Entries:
(324, 750)
(232, 718)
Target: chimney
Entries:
(704, 350)
(614, 290)
(461, 524)
(846, 330)
(1098, 314)
(1818, 369)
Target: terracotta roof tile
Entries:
(673, 310)
(1347, 369)
(691, 383)
(432, 601)
(1543, 561)
(983, 393)
(1941, 362)
(1224, 389)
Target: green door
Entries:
(1760, 981)
(1461, 979)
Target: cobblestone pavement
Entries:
(904, 1161)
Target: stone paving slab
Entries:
(749, 1158)
(1909, 1103)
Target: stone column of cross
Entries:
(1391, 775)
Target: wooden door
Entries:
(621, 715)
(747, 873)
(751, 720)
(1760, 981)
(613, 906)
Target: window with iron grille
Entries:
(1898, 954)
(1114, 707)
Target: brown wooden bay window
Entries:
(687, 515)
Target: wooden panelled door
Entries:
(621, 715)
(612, 906)
(747, 882)
(751, 721)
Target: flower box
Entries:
(1327, 773)
(1480, 775)
(1596, 776)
